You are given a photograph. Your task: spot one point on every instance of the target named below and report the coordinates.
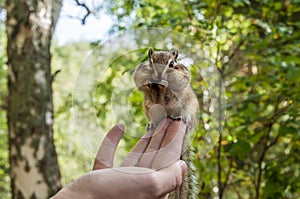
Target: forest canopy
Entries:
(254, 47)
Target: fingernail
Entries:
(183, 166)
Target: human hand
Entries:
(159, 149)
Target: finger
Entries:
(170, 178)
(106, 152)
(135, 154)
(171, 146)
(154, 144)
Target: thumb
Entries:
(170, 178)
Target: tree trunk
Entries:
(185, 191)
(34, 169)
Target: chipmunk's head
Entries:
(164, 58)
(160, 62)
(166, 71)
(162, 71)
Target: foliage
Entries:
(73, 158)
(4, 167)
(255, 45)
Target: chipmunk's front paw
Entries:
(150, 126)
(160, 83)
(147, 84)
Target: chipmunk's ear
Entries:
(175, 53)
(150, 53)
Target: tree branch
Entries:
(3, 106)
(88, 11)
(266, 147)
(220, 185)
(220, 167)
(260, 161)
(234, 52)
(227, 175)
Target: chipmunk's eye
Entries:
(171, 64)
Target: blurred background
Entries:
(253, 45)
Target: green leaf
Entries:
(285, 130)
(240, 149)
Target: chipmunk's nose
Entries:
(159, 72)
(159, 75)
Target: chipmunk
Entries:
(167, 93)
(166, 87)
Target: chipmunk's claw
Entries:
(147, 84)
(150, 126)
(185, 121)
(178, 118)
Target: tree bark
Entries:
(34, 168)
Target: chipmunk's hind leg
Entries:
(181, 118)
(150, 126)
(178, 118)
